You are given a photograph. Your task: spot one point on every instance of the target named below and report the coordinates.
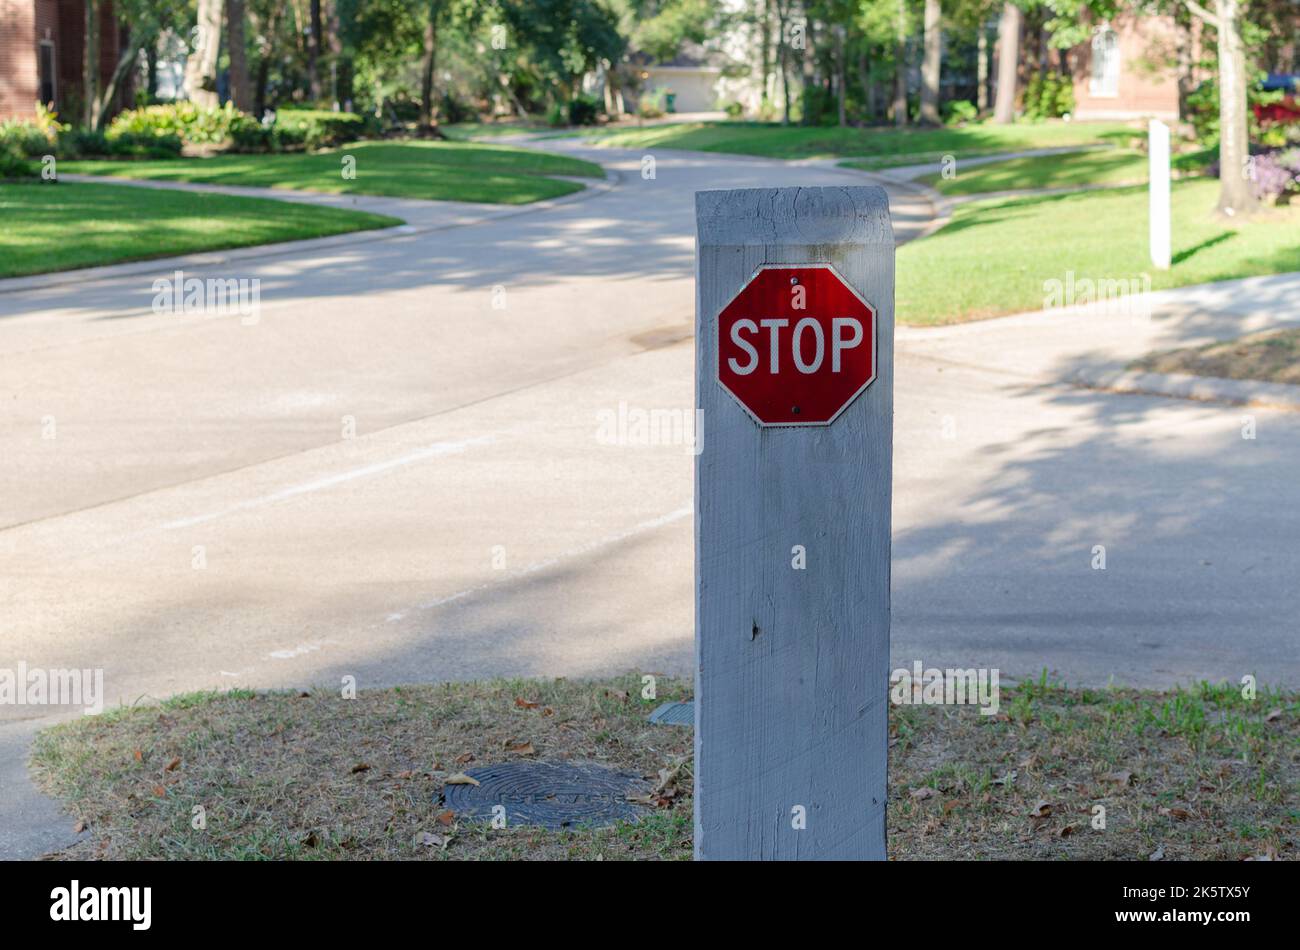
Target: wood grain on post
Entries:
(792, 665)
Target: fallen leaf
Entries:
(464, 757)
(1008, 779)
(1158, 854)
(1273, 716)
(548, 711)
(1182, 814)
(619, 694)
(1119, 778)
(173, 765)
(79, 827)
(360, 767)
(446, 817)
(404, 774)
(525, 703)
(524, 748)
(160, 791)
(311, 840)
(1066, 831)
(922, 793)
(949, 806)
(460, 778)
(1041, 810)
(429, 839)
(139, 755)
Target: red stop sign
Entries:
(796, 345)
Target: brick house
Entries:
(42, 45)
(1131, 69)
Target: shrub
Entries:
(957, 111)
(734, 109)
(651, 105)
(584, 110)
(83, 143)
(556, 115)
(25, 138)
(249, 135)
(1048, 95)
(13, 163)
(322, 128)
(185, 120)
(130, 145)
(1276, 175)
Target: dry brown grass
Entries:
(1195, 774)
(1272, 356)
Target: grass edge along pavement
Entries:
(1093, 168)
(873, 147)
(1208, 772)
(1043, 238)
(425, 170)
(1269, 356)
(58, 226)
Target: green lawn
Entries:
(994, 256)
(884, 146)
(52, 227)
(440, 171)
(1100, 167)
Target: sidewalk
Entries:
(1091, 346)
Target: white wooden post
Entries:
(1158, 151)
(792, 664)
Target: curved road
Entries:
(399, 473)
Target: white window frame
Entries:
(1104, 83)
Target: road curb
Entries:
(1237, 392)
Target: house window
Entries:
(1105, 63)
(45, 71)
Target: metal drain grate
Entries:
(674, 714)
(548, 795)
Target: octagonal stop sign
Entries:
(796, 345)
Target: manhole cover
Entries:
(674, 714)
(548, 795)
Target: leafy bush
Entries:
(322, 128)
(651, 105)
(452, 109)
(1276, 175)
(957, 111)
(584, 110)
(1048, 95)
(734, 109)
(26, 139)
(13, 164)
(83, 143)
(185, 120)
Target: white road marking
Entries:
(436, 450)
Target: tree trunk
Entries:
(1004, 110)
(840, 78)
(151, 67)
(1235, 194)
(783, 57)
(201, 64)
(313, 53)
(90, 65)
(126, 63)
(430, 64)
(930, 65)
(982, 71)
(900, 67)
(241, 91)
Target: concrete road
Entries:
(404, 471)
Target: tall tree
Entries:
(1004, 108)
(201, 64)
(1235, 194)
(90, 65)
(900, 67)
(434, 14)
(241, 92)
(313, 52)
(931, 63)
